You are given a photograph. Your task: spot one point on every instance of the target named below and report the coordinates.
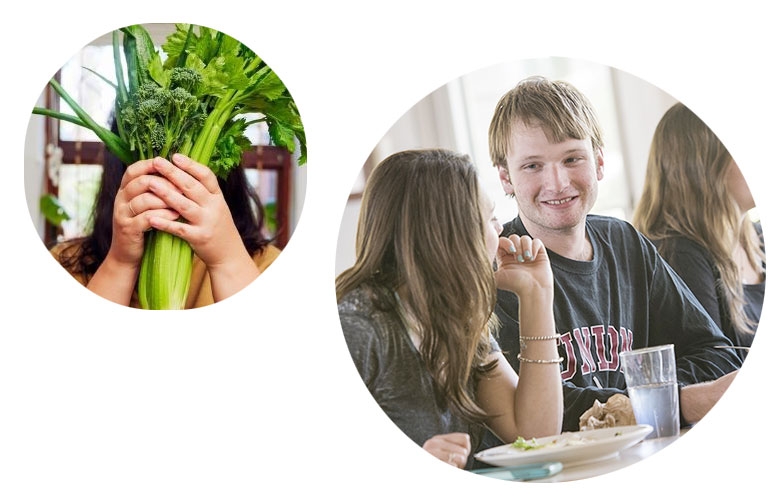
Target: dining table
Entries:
(623, 458)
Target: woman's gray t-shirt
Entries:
(392, 369)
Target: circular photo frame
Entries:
(165, 166)
(585, 174)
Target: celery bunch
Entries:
(195, 102)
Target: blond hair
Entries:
(556, 106)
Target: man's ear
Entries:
(506, 183)
(599, 161)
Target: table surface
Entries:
(626, 457)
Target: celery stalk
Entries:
(165, 272)
(165, 269)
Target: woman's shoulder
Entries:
(68, 254)
(679, 245)
(363, 324)
(359, 300)
(66, 249)
(368, 304)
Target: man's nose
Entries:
(556, 178)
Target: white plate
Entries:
(569, 448)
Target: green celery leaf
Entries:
(282, 135)
(207, 44)
(229, 148)
(224, 73)
(300, 135)
(176, 44)
(214, 82)
(267, 85)
(157, 71)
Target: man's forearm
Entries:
(696, 400)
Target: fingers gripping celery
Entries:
(192, 103)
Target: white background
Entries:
(256, 397)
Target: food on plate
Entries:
(615, 412)
(523, 444)
(565, 439)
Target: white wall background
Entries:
(257, 398)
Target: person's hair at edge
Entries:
(683, 195)
(421, 229)
(85, 254)
(556, 106)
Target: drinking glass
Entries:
(650, 374)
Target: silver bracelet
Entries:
(522, 359)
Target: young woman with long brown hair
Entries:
(694, 207)
(417, 305)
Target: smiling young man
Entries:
(613, 292)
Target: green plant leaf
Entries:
(270, 216)
(138, 51)
(112, 141)
(52, 210)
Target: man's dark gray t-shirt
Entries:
(626, 297)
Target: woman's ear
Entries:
(506, 183)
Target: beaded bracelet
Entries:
(548, 337)
(524, 339)
(539, 361)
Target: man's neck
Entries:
(571, 243)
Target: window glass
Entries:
(78, 185)
(90, 91)
(264, 182)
